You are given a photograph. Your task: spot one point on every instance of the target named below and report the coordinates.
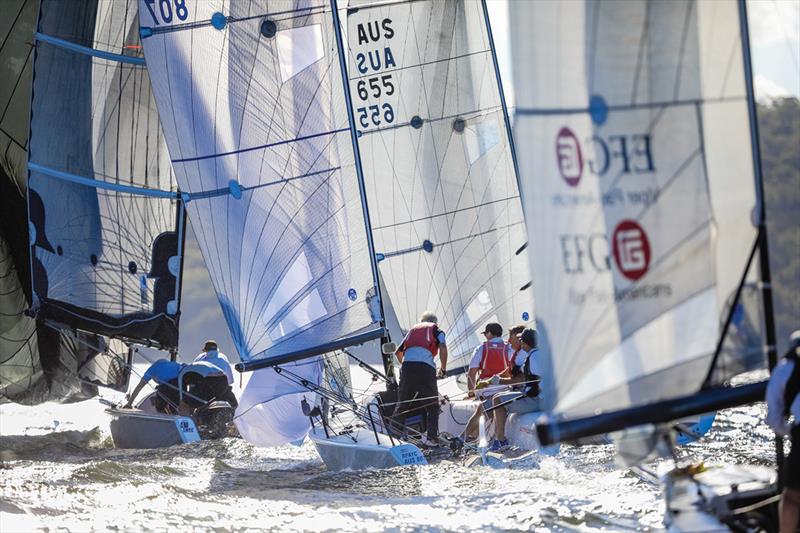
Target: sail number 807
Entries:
(371, 116)
(166, 8)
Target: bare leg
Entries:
(500, 419)
(790, 510)
(471, 431)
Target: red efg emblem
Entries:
(568, 155)
(631, 249)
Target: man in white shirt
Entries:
(209, 377)
(212, 355)
(783, 416)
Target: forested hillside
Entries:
(779, 125)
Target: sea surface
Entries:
(60, 472)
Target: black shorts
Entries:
(793, 462)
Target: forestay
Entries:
(632, 129)
(104, 218)
(442, 189)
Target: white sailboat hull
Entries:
(133, 428)
(520, 427)
(362, 449)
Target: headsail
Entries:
(105, 223)
(442, 189)
(632, 126)
(260, 142)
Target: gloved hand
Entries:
(482, 384)
(441, 374)
(495, 379)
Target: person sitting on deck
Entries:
(491, 358)
(525, 400)
(514, 376)
(418, 391)
(211, 354)
(783, 403)
(202, 382)
(165, 373)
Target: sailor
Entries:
(527, 399)
(202, 382)
(418, 390)
(212, 355)
(165, 373)
(515, 376)
(783, 416)
(490, 358)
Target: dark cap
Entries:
(210, 345)
(494, 328)
(529, 337)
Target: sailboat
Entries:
(441, 177)
(280, 150)
(105, 217)
(641, 168)
(38, 363)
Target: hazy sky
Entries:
(775, 35)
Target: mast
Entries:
(354, 134)
(763, 247)
(337, 28)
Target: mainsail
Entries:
(442, 189)
(635, 155)
(105, 219)
(251, 100)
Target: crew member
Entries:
(202, 382)
(165, 373)
(783, 416)
(211, 354)
(527, 399)
(418, 390)
(491, 358)
(514, 348)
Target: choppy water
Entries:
(59, 472)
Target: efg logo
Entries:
(631, 249)
(569, 157)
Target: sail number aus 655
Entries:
(380, 113)
(166, 8)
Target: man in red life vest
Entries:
(417, 390)
(491, 358)
(503, 353)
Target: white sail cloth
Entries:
(633, 134)
(251, 101)
(269, 412)
(442, 190)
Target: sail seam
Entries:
(476, 206)
(261, 147)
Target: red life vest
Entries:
(494, 359)
(423, 335)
